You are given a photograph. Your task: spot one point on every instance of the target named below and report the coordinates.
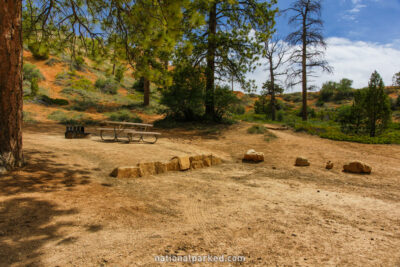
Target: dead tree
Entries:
(309, 44)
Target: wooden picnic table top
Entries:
(128, 123)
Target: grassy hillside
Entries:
(88, 95)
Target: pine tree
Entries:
(225, 45)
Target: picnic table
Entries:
(133, 131)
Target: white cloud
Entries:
(351, 14)
(355, 60)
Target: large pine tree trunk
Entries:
(146, 86)
(210, 71)
(10, 84)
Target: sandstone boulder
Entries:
(207, 160)
(301, 162)
(215, 160)
(196, 158)
(197, 164)
(161, 167)
(173, 165)
(147, 168)
(253, 156)
(329, 165)
(126, 172)
(357, 167)
(184, 163)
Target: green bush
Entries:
(238, 109)
(26, 87)
(52, 61)
(39, 51)
(224, 100)
(34, 87)
(70, 118)
(53, 101)
(310, 112)
(184, 98)
(119, 73)
(320, 103)
(79, 63)
(81, 84)
(28, 117)
(124, 115)
(280, 115)
(257, 129)
(107, 86)
(138, 85)
(30, 72)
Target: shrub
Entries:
(26, 87)
(184, 99)
(30, 72)
(256, 129)
(124, 115)
(310, 112)
(28, 117)
(238, 109)
(39, 51)
(81, 84)
(107, 86)
(53, 101)
(224, 100)
(280, 115)
(320, 103)
(70, 118)
(138, 85)
(34, 87)
(119, 73)
(79, 63)
(52, 61)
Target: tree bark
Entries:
(11, 84)
(146, 85)
(304, 68)
(210, 71)
(271, 73)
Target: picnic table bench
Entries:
(134, 131)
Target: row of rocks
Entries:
(352, 167)
(181, 163)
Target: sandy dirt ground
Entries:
(63, 208)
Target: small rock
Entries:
(253, 156)
(329, 165)
(357, 167)
(3, 170)
(301, 162)
(294, 235)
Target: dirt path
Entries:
(63, 209)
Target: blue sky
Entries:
(362, 36)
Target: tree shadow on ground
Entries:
(43, 173)
(25, 226)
